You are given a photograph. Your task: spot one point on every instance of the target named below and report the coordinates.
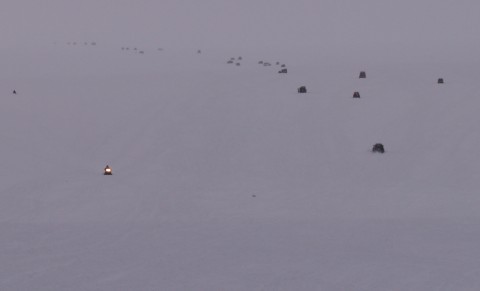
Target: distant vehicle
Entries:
(107, 170)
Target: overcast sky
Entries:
(407, 25)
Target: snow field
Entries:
(224, 178)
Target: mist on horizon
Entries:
(371, 27)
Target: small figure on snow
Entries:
(302, 89)
(107, 170)
(378, 148)
(14, 92)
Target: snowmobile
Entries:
(107, 170)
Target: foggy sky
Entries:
(327, 25)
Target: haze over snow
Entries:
(224, 177)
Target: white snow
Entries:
(224, 177)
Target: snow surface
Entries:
(224, 177)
